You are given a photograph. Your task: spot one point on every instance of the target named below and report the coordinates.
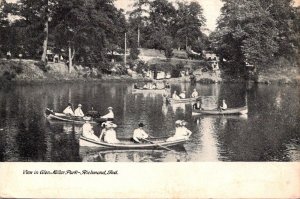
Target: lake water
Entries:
(270, 131)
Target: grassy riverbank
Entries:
(30, 72)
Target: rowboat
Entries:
(229, 111)
(51, 115)
(185, 100)
(158, 91)
(127, 144)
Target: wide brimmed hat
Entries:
(141, 124)
(69, 104)
(183, 123)
(79, 105)
(109, 124)
(178, 122)
(110, 108)
(86, 118)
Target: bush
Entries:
(42, 65)
(134, 53)
(8, 76)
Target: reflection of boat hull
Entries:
(86, 142)
(229, 111)
(51, 115)
(185, 101)
(157, 91)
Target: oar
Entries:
(158, 137)
(159, 145)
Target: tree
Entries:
(162, 16)
(91, 28)
(189, 20)
(138, 17)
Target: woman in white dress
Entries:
(109, 133)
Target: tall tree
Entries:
(189, 20)
(138, 17)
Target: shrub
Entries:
(42, 65)
(134, 53)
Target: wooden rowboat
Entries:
(158, 91)
(229, 111)
(51, 115)
(126, 144)
(185, 100)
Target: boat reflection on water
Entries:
(157, 155)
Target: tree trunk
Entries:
(46, 32)
(70, 58)
(138, 37)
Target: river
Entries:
(270, 131)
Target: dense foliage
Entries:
(255, 32)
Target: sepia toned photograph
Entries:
(134, 81)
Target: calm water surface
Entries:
(270, 131)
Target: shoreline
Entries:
(31, 74)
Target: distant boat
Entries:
(51, 115)
(158, 91)
(184, 100)
(229, 111)
(127, 144)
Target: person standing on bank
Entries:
(78, 112)
(69, 110)
(139, 134)
(110, 115)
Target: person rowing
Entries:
(181, 132)
(78, 112)
(87, 129)
(139, 134)
(223, 107)
(110, 115)
(175, 96)
(197, 105)
(69, 110)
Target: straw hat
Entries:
(110, 108)
(178, 122)
(109, 124)
(79, 105)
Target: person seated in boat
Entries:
(78, 112)
(195, 94)
(146, 86)
(110, 115)
(109, 133)
(175, 96)
(181, 132)
(69, 110)
(182, 95)
(87, 129)
(139, 134)
(153, 86)
(223, 106)
(197, 105)
(167, 85)
(135, 86)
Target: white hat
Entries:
(178, 122)
(183, 123)
(110, 108)
(109, 124)
(79, 105)
(86, 118)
